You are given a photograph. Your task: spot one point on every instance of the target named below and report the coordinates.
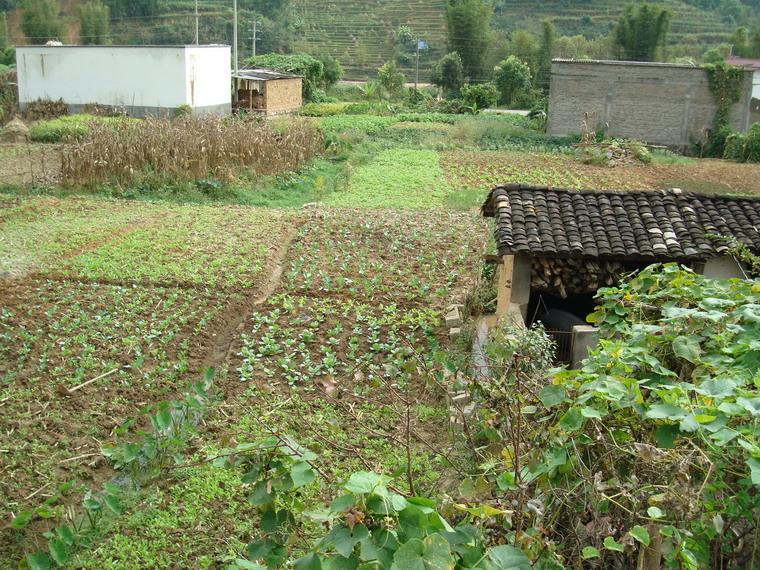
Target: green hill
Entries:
(361, 34)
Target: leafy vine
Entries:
(725, 83)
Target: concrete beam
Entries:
(585, 338)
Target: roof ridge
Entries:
(654, 225)
(662, 192)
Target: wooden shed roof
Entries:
(647, 226)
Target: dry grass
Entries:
(188, 148)
(482, 170)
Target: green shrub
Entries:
(323, 109)
(367, 124)
(182, 111)
(72, 127)
(734, 149)
(752, 144)
(480, 96)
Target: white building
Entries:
(752, 65)
(141, 80)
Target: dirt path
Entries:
(228, 326)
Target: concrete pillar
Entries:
(723, 268)
(505, 269)
(513, 287)
(585, 339)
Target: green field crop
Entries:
(395, 178)
(57, 335)
(119, 241)
(386, 257)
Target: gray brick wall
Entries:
(657, 103)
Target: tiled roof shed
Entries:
(643, 226)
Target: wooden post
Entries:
(506, 269)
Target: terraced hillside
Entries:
(360, 34)
(599, 16)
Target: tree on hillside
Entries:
(333, 71)
(390, 78)
(740, 41)
(93, 23)
(640, 32)
(448, 73)
(41, 21)
(133, 8)
(545, 54)
(469, 26)
(525, 47)
(3, 35)
(404, 45)
(746, 43)
(512, 79)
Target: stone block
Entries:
(453, 318)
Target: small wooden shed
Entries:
(267, 91)
(567, 244)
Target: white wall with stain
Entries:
(160, 77)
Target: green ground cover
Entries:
(324, 324)
(386, 256)
(57, 335)
(119, 241)
(395, 177)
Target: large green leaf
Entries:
(552, 395)
(343, 539)
(665, 412)
(58, 551)
(38, 561)
(641, 534)
(754, 467)
(309, 562)
(507, 557)
(572, 420)
(589, 552)
(431, 553)
(164, 419)
(611, 544)
(302, 474)
(752, 405)
(365, 482)
(687, 347)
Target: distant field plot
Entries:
(395, 178)
(205, 247)
(39, 233)
(387, 256)
(129, 242)
(599, 17)
(480, 171)
(360, 34)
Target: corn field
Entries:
(187, 148)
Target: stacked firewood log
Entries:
(565, 277)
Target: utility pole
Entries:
(254, 38)
(420, 45)
(234, 36)
(196, 23)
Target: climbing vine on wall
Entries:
(725, 82)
